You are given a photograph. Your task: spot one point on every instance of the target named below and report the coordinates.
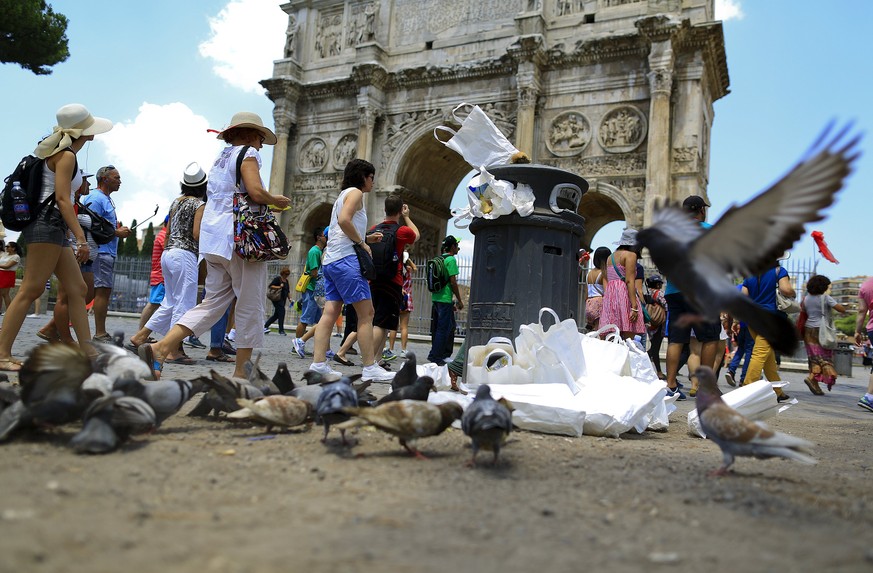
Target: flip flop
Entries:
(47, 337)
(145, 352)
(131, 346)
(5, 365)
(222, 358)
(184, 360)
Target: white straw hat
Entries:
(74, 121)
(252, 120)
(193, 175)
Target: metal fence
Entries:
(132, 287)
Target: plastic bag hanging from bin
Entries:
(478, 141)
(490, 198)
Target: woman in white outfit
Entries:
(227, 274)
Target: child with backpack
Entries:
(49, 179)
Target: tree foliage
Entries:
(32, 35)
(130, 247)
(148, 242)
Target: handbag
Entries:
(827, 332)
(478, 141)
(101, 229)
(303, 282)
(785, 304)
(368, 267)
(256, 234)
(802, 318)
(274, 294)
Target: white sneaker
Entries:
(376, 373)
(231, 335)
(402, 354)
(326, 371)
(299, 347)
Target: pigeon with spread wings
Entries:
(748, 239)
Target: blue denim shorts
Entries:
(343, 281)
(104, 271)
(157, 293)
(311, 311)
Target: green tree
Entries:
(130, 248)
(148, 242)
(32, 35)
(846, 324)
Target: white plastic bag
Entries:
(440, 375)
(616, 404)
(641, 366)
(554, 354)
(755, 401)
(609, 356)
(478, 371)
(478, 141)
(490, 198)
(546, 408)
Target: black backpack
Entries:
(385, 252)
(436, 273)
(101, 229)
(28, 173)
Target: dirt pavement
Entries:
(208, 496)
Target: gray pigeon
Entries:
(51, 389)
(332, 401)
(110, 421)
(487, 422)
(735, 434)
(407, 373)
(166, 397)
(419, 390)
(747, 240)
(258, 379)
(228, 391)
(120, 364)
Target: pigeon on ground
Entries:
(227, 391)
(409, 420)
(99, 382)
(258, 379)
(418, 390)
(9, 395)
(332, 403)
(110, 421)
(407, 373)
(285, 411)
(282, 378)
(166, 397)
(120, 363)
(51, 389)
(747, 240)
(735, 434)
(487, 422)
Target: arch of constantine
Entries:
(617, 91)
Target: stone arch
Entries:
(313, 216)
(601, 205)
(426, 173)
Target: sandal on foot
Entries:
(343, 361)
(10, 365)
(48, 337)
(221, 358)
(183, 360)
(147, 355)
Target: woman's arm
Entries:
(785, 287)
(251, 177)
(198, 217)
(630, 273)
(64, 166)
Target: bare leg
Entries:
(364, 308)
(147, 312)
(674, 351)
(323, 329)
(101, 307)
(68, 273)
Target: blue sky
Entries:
(165, 71)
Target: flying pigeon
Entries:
(285, 411)
(747, 240)
(419, 390)
(487, 422)
(735, 434)
(332, 402)
(409, 420)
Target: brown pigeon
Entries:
(735, 434)
(285, 411)
(409, 420)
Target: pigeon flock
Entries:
(114, 397)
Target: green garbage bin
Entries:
(843, 359)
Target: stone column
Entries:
(366, 125)
(284, 95)
(524, 129)
(658, 152)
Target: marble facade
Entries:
(618, 91)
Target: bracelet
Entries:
(635, 310)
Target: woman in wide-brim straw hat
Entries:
(48, 246)
(227, 274)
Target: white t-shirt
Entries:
(5, 258)
(216, 227)
(339, 246)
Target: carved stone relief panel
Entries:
(362, 23)
(602, 165)
(622, 129)
(329, 34)
(346, 149)
(414, 19)
(611, 3)
(313, 155)
(398, 126)
(569, 134)
(306, 185)
(684, 159)
(569, 7)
